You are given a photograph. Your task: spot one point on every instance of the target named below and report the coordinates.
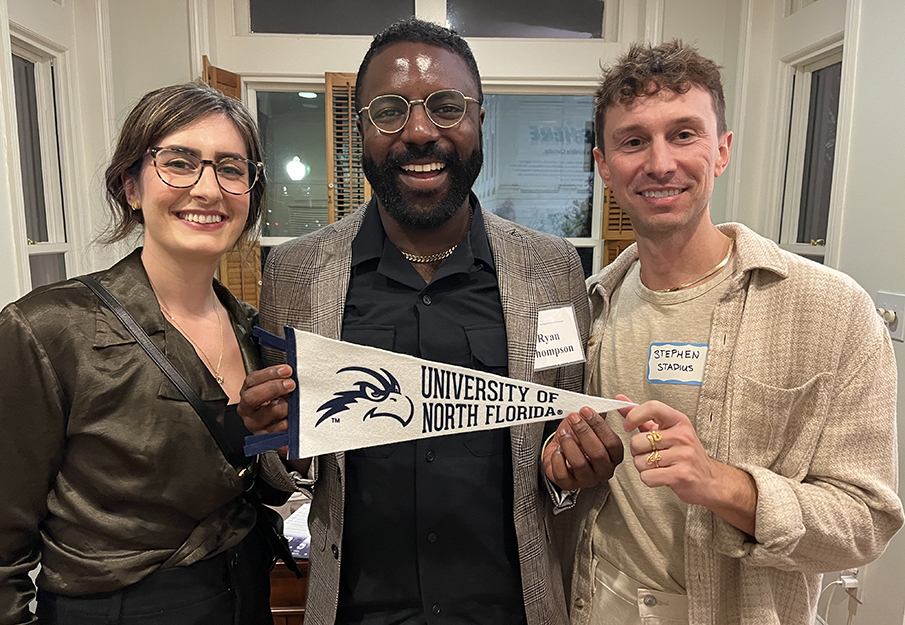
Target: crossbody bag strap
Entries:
(161, 361)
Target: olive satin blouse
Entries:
(106, 471)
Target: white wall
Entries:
(873, 242)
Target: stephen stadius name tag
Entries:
(677, 363)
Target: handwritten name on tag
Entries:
(677, 363)
(558, 341)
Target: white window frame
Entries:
(796, 146)
(49, 66)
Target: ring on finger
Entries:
(654, 458)
(653, 436)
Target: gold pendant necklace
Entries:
(207, 361)
(719, 266)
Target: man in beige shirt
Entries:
(763, 451)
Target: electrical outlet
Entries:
(896, 303)
(853, 582)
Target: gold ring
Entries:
(653, 436)
(654, 458)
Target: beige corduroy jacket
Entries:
(305, 284)
(799, 391)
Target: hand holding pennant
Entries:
(348, 396)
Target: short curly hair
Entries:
(413, 30)
(161, 113)
(644, 70)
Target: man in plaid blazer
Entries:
(451, 529)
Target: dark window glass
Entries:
(538, 164)
(46, 269)
(819, 154)
(293, 130)
(30, 149)
(565, 19)
(586, 254)
(320, 17)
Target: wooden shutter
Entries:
(240, 268)
(347, 187)
(617, 228)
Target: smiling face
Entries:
(662, 154)
(422, 174)
(199, 222)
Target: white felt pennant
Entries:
(350, 396)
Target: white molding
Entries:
(11, 282)
(777, 147)
(742, 72)
(105, 65)
(653, 21)
(431, 11)
(199, 39)
(841, 167)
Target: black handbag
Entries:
(269, 522)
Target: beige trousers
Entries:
(620, 600)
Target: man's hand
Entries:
(668, 452)
(584, 451)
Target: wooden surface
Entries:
(288, 593)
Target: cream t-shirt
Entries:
(653, 347)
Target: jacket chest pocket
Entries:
(777, 428)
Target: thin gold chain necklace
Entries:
(709, 273)
(207, 361)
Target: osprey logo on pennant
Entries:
(384, 398)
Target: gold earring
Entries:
(135, 205)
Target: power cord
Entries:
(818, 620)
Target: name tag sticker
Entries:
(558, 341)
(677, 363)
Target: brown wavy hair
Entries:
(644, 70)
(157, 115)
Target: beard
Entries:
(408, 212)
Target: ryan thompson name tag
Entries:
(350, 396)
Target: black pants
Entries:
(232, 588)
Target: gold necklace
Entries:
(207, 361)
(719, 266)
(432, 258)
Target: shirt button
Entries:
(431, 538)
(429, 456)
(335, 551)
(592, 340)
(426, 299)
(579, 603)
(436, 608)
(649, 600)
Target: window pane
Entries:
(565, 19)
(538, 166)
(295, 159)
(30, 149)
(46, 269)
(586, 254)
(820, 149)
(313, 17)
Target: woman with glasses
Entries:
(110, 479)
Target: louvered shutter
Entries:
(240, 268)
(617, 228)
(347, 187)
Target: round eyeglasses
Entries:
(181, 169)
(389, 113)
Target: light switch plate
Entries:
(896, 303)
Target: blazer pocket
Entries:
(776, 427)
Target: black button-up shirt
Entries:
(428, 532)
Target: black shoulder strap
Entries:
(160, 360)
